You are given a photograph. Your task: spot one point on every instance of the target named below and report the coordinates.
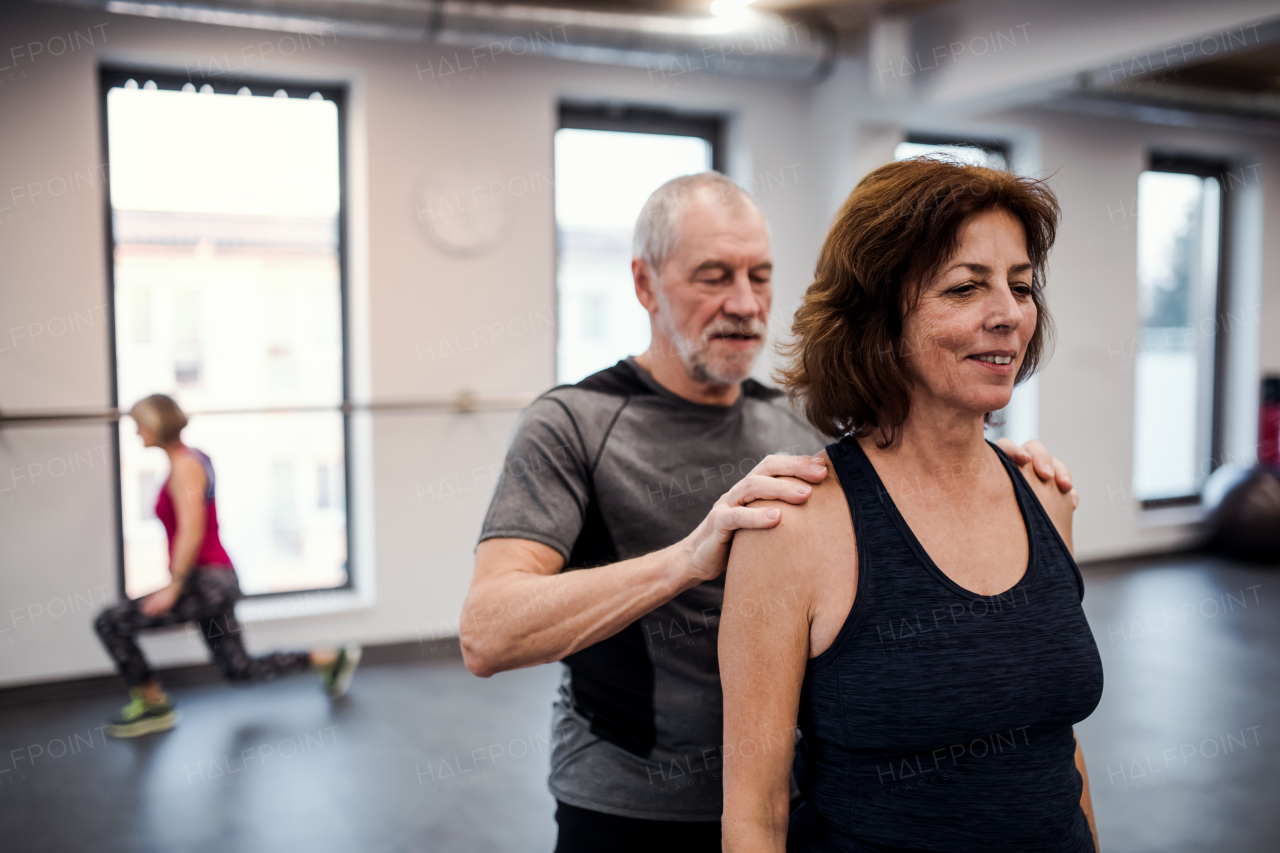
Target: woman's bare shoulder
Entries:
(805, 530)
(809, 558)
(187, 471)
(1058, 505)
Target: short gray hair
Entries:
(657, 231)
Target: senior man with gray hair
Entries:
(638, 476)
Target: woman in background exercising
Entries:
(203, 589)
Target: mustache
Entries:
(748, 326)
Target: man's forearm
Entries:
(522, 610)
(528, 618)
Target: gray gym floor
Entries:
(1183, 752)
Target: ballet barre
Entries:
(465, 402)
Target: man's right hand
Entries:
(704, 553)
(523, 609)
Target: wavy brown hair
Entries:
(898, 227)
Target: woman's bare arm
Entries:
(187, 485)
(1060, 508)
(1086, 802)
(764, 649)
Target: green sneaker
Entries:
(140, 717)
(336, 677)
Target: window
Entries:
(322, 487)
(1179, 209)
(227, 279)
(607, 163)
(989, 153)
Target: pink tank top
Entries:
(211, 554)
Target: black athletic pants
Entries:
(584, 831)
(208, 598)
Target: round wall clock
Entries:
(463, 208)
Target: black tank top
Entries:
(940, 719)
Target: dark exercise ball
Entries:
(1246, 525)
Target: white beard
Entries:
(695, 355)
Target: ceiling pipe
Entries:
(745, 44)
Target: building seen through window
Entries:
(227, 279)
(1179, 222)
(602, 179)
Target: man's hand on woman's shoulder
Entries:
(752, 503)
(1047, 468)
(1060, 506)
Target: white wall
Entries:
(1086, 391)
(58, 532)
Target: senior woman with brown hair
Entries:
(919, 617)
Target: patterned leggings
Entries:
(208, 598)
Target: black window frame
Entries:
(578, 115)
(990, 146)
(995, 428)
(111, 75)
(644, 119)
(1207, 167)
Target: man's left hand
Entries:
(1047, 468)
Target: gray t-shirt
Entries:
(609, 469)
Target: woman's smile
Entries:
(999, 362)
